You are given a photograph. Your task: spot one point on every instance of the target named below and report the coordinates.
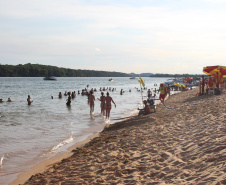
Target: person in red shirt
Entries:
(163, 92)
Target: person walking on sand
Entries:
(108, 100)
(29, 100)
(91, 99)
(163, 92)
(102, 104)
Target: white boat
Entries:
(50, 78)
(133, 77)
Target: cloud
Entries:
(135, 35)
(98, 49)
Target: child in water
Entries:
(91, 100)
(102, 104)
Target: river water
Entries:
(31, 134)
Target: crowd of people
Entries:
(212, 85)
(106, 100)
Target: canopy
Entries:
(212, 70)
(186, 79)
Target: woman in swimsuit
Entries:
(108, 100)
(91, 100)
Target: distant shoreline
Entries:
(38, 70)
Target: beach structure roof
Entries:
(212, 70)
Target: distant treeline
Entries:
(37, 70)
(176, 75)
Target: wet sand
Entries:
(186, 145)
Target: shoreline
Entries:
(177, 146)
(46, 163)
(42, 166)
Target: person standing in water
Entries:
(60, 95)
(29, 100)
(91, 100)
(102, 104)
(108, 100)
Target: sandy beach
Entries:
(183, 143)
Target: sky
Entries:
(139, 36)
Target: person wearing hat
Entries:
(146, 109)
(163, 92)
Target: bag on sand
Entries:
(217, 91)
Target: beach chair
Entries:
(211, 91)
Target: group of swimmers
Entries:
(9, 100)
(105, 100)
(105, 103)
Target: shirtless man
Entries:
(102, 104)
(108, 100)
(91, 100)
(146, 109)
(29, 100)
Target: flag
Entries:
(141, 81)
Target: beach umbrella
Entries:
(179, 85)
(215, 70)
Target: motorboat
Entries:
(111, 80)
(50, 78)
(133, 77)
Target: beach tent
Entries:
(213, 70)
(187, 79)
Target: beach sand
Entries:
(186, 145)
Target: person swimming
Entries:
(60, 95)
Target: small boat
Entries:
(110, 79)
(50, 78)
(133, 77)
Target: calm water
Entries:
(30, 134)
